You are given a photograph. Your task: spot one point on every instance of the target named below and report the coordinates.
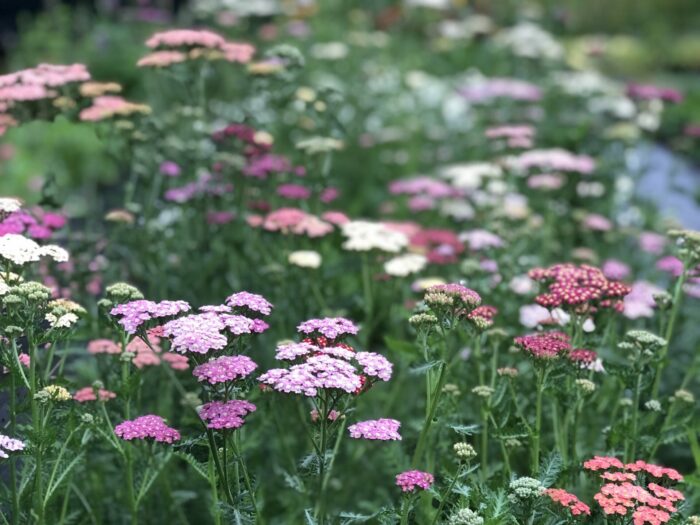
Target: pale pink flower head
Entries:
(90, 394)
(293, 192)
(186, 38)
(478, 240)
(330, 327)
(170, 168)
(251, 302)
(8, 444)
(652, 242)
(546, 181)
(413, 480)
(103, 346)
(640, 301)
(670, 264)
(376, 429)
(147, 427)
(596, 222)
(135, 313)
(616, 270)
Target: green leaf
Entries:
(403, 347)
(550, 467)
(199, 467)
(465, 430)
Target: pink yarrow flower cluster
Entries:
(175, 40)
(251, 301)
(135, 313)
(330, 327)
(627, 491)
(412, 480)
(147, 427)
(292, 220)
(568, 500)
(376, 429)
(226, 414)
(545, 345)
(88, 394)
(224, 369)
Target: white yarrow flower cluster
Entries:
(64, 321)
(20, 250)
(9, 205)
(404, 265)
(305, 259)
(363, 236)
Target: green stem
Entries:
(13, 459)
(246, 480)
(37, 428)
(214, 490)
(537, 435)
(422, 438)
(675, 308)
(445, 496)
(319, 512)
(635, 419)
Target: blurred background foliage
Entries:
(656, 41)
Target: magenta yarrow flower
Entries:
(8, 444)
(135, 313)
(226, 414)
(376, 429)
(374, 365)
(147, 427)
(545, 345)
(330, 327)
(251, 301)
(411, 480)
(225, 368)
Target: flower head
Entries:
(226, 414)
(8, 444)
(250, 301)
(146, 427)
(376, 429)
(413, 480)
(225, 368)
(135, 313)
(330, 327)
(545, 345)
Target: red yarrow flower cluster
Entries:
(545, 345)
(583, 287)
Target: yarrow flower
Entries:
(363, 236)
(330, 327)
(20, 250)
(412, 480)
(465, 517)
(135, 313)
(545, 345)
(568, 500)
(8, 444)
(525, 488)
(147, 427)
(405, 265)
(251, 301)
(578, 286)
(225, 368)
(88, 394)
(452, 295)
(376, 429)
(226, 414)
(305, 259)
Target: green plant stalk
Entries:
(13, 459)
(319, 511)
(537, 435)
(246, 480)
(214, 490)
(423, 437)
(369, 299)
(336, 447)
(484, 441)
(36, 426)
(405, 511)
(635, 419)
(128, 459)
(445, 496)
(675, 308)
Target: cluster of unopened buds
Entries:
(583, 288)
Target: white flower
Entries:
(469, 175)
(9, 204)
(533, 314)
(404, 265)
(21, 250)
(522, 285)
(305, 259)
(65, 321)
(363, 236)
(529, 40)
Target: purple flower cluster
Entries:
(330, 327)
(135, 313)
(228, 414)
(8, 444)
(376, 429)
(146, 427)
(225, 368)
(251, 301)
(414, 479)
